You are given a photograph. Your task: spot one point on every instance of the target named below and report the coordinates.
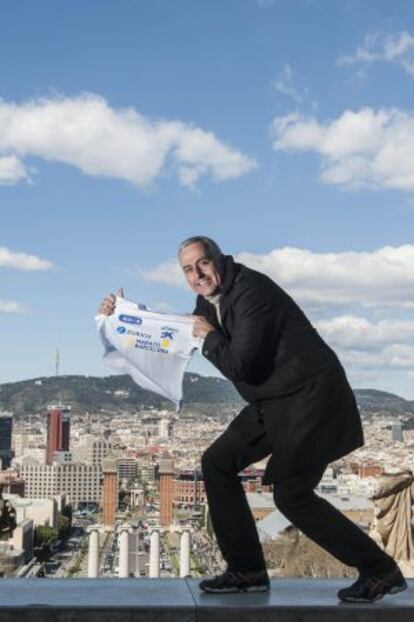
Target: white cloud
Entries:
(283, 83)
(168, 272)
(22, 261)
(12, 170)
(351, 331)
(383, 277)
(19, 261)
(396, 48)
(394, 356)
(381, 346)
(12, 307)
(87, 133)
(367, 148)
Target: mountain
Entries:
(372, 400)
(110, 394)
(120, 393)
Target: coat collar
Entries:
(229, 272)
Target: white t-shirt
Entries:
(153, 348)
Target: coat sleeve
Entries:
(253, 337)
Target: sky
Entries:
(283, 129)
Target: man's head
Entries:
(201, 258)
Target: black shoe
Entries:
(370, 588)
(230, 582)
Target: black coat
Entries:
(292, 380)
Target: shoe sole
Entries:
(394, 590)
(235, 590)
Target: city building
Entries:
(40, 511)
(261, 504)
(62, 457)
(366, 469)
(58, 430)
(397, 432)
(148, 471)
(12, 482)
(166, 473)
(20, 443)
(11, 558)
(22, 538)
(90, 448)
(99, 449)
(165, 428)
(358, 509)
(80, 482)
(328, 482)
(110, 491)
(127, 468)
(6, 426)
(187, 490)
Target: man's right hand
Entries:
(107, 306)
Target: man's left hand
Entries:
(201, 327)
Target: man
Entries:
(300, 409)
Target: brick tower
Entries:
(110, 491)
(58, 430)
(166, 472)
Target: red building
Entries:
(58, 430)
(184, 491)
(186, 488)
(110, 491)
(367, 469)
(166, 473)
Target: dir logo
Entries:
(130, 319)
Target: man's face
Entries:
(199, 270)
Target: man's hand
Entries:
(201, 327)
(107, 306)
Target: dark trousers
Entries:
(234, 525)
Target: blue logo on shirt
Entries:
(167, 334)
(121, 330)
(130, 319)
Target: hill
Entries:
(119, 393)
(110, 394)
(372, 400)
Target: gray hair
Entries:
(211, 248)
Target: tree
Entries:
(45, 534)
(63, 525)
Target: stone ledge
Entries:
(301, 600)
(96, 600)
(180, 600)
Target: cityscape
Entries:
(121, 494)
(244, 168)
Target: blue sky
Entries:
(284, 129)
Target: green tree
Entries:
(63, 525)
(45, 534)
(67, 510)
